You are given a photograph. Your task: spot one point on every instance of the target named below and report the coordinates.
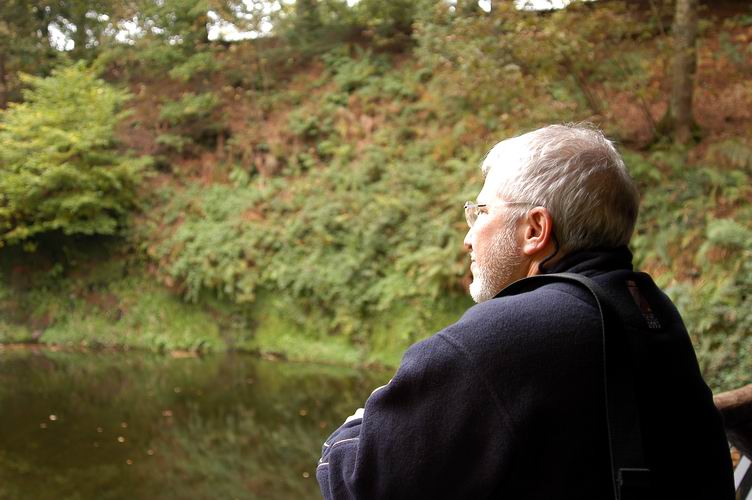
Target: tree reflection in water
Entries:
(124, 425)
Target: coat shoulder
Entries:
(551, 310)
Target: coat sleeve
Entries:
(436, 430)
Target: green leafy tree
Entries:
(314, 26)
(172, 30)
(390, 24)
(166, 36)
(82, 21)
(310, 27)
(60, 169)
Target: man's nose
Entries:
(468, 241)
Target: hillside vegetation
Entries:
(301, 194)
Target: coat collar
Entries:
(589, 263)
(593, 261)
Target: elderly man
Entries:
(509, 401)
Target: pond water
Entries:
(140, 426)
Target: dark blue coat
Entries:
(508, 403)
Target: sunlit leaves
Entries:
(60, 169)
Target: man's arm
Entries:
(436, 429)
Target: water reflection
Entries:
(116, 426)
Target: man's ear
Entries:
(538, 227)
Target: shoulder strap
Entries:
(629, 473)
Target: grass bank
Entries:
(101, 302)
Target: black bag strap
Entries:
(630, 475)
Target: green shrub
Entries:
(201, 63)
(60, 169)
(368, 235)
(718, 308)
(309, 125)
(192, 119)
(174, 142)
(702, 261)
(389, 23)
(189, 108)
(351, 73)
(215, 248)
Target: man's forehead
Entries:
(508, 154)
(501, 164)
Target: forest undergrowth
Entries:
(308, 204)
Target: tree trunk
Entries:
(201, 28)
(685, 67)
(80, 36)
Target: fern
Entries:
(733, 153)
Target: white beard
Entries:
(501, 261)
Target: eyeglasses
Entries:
(473, 210)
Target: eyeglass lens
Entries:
(471, 213)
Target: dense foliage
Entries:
(313, 178)
(60, 169)
(696, 241)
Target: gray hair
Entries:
(577, 174)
